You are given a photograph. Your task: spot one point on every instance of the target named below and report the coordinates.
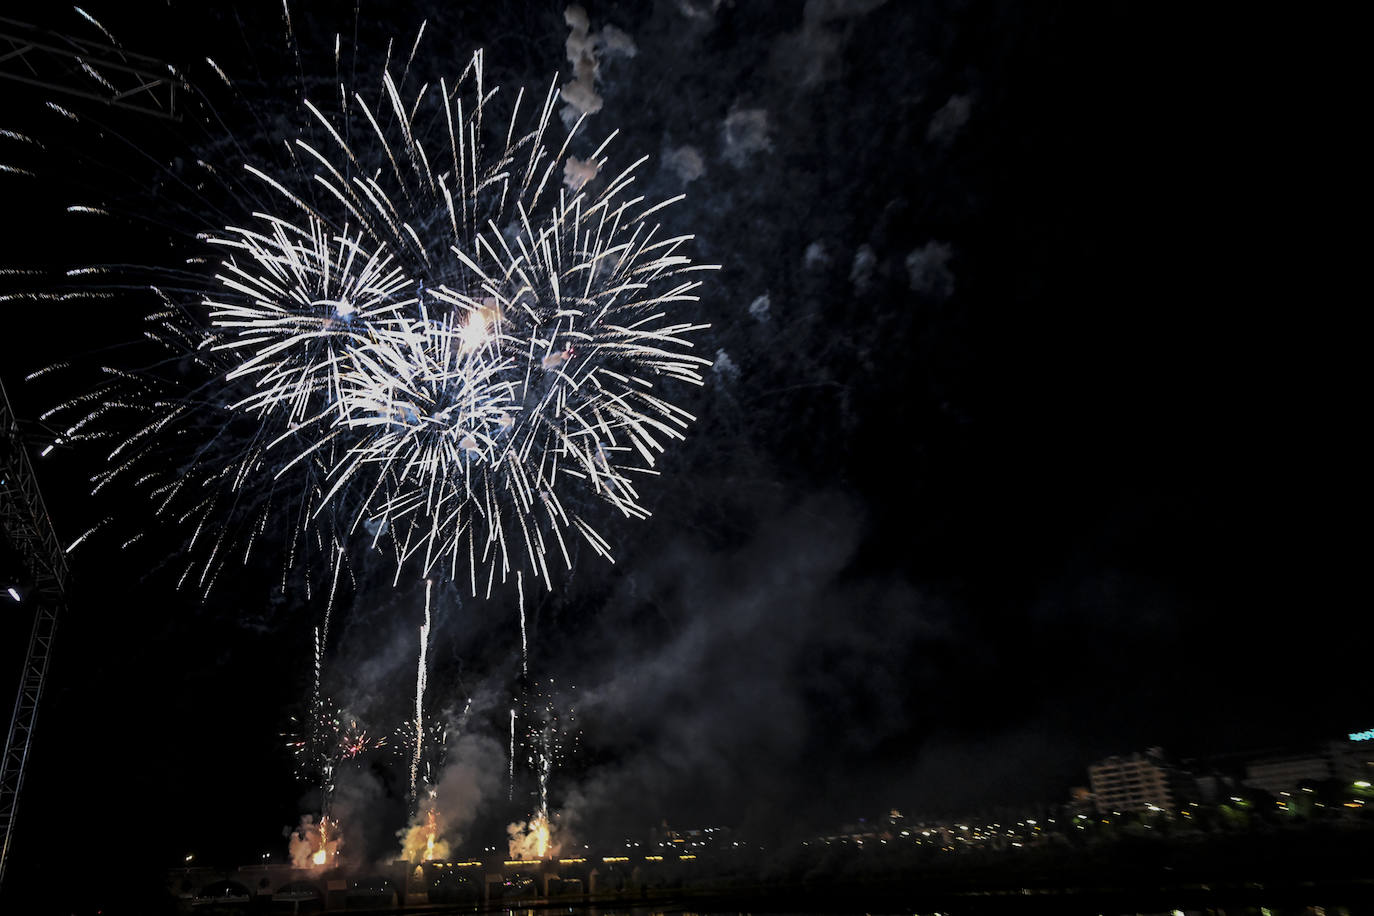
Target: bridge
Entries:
(400, 883)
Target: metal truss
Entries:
(88, 69)
(25, 523)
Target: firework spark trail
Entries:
(545, 765)
(420, 677)
(316, 712)
(329, 604)
(524, 645)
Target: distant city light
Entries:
(1366, 735)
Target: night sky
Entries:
(1022, 447)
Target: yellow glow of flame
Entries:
(321, 856)
(541, 833)
(431, 833)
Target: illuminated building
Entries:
(1279, 774)
(1344, 761)
(1137, 783)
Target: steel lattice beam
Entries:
(25, 523)
(87, 69)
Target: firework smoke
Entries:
(548, 736)
(314, 845)
(463, 785)
(423, 842)
(532, 839)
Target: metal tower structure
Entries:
(120, 78)
(25, 524)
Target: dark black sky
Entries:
(941, 536)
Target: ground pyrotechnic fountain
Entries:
(423, 841)
(532, 839)
(549, 736)
(315, 845)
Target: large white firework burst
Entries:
(479, 329)
(429, 330)
(476, 333)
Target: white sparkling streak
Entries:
(420, 678)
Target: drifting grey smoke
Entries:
(313, 845)
(720, 688)
(472, 777)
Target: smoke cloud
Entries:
(314, 845)
(470, 779)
